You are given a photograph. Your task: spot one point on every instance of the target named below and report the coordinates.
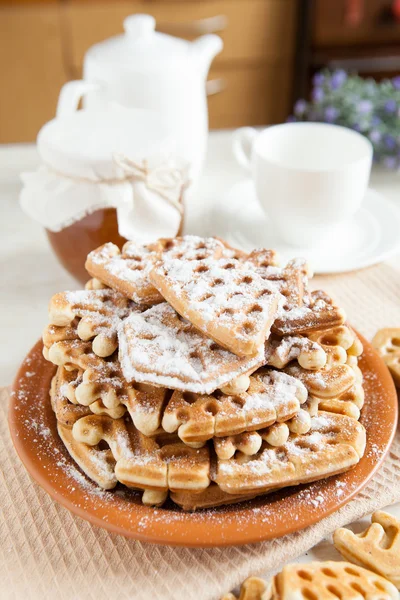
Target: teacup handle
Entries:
(70, 95)
(241, 145)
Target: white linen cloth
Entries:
(147, 194)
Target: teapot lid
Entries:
(140, 44)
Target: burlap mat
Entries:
(45, 552)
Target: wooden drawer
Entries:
(253, 95)
(252, 30)
(31, 68)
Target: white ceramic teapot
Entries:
(143, 68)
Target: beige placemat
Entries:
(45, 552)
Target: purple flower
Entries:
(318, 94)
(291, 119)
(338, 78)
(389, 142)
(300, 107)
(375, 136)
(390, 106)
(390, 162)
(331, 114)
(318, 79)
(364, 107)
(375, 121)
(396, 82)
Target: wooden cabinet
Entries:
(32, 69)
(335, 25)
(252, 30)
(252, 94)
(47, 43)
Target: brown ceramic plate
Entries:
(33, 430)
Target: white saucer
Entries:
(371, 236)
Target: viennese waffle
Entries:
(190, 368)
(318, 581)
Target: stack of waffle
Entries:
(191, 369)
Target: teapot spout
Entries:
(204, 49)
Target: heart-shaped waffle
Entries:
(328, 581)
(161, 348)
(222, 298)
(103, 388)
(97, 314)
(333, 445)
(377, 548)
(272, 396)
(145, 463)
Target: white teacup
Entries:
(310, 177)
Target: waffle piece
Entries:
(275, 435)
(338, 343)
(98, 464)
(303, 312)
(238, 385)
(329, 382)
(161, 348)
(125, 271)
(261, 259)
(231, 252)
(253, 588)
(95, 284)
(222, 298)
(98, 314)
(64, 402)
(62, 388)
(349, 403)
(387, 343)
(272, 396)
(320, 312)
(330, 580)
(209, 498)
(280, 351)
(377, 548)
(291, 280)
(191, 247)
(142, 462)
(334, 444)
(104, 389)
(393, 364)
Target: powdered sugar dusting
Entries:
(159, 347)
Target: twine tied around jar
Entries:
(164, 180)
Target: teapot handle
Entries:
(71, 94)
